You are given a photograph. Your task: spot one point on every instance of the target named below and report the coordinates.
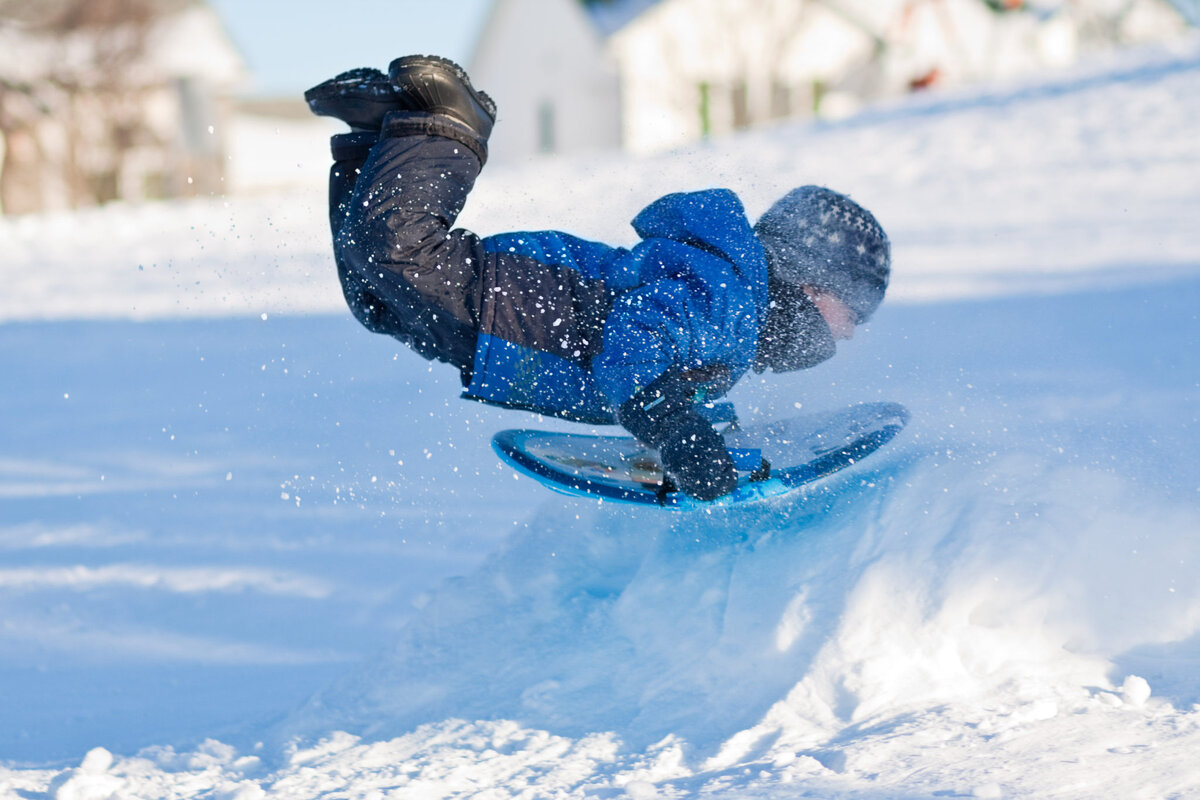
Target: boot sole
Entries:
(357, 103)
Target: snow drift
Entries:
(922, 582)
(1021, 554)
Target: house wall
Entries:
(545, 66)
(956, 42)
(691, 68)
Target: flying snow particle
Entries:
(1135, 691)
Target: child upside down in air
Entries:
(551, 323)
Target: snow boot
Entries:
(439, 86)
(359, 97)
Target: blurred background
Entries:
(141, 100)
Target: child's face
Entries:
(838, 316)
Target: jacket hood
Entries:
(712, 220)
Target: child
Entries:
(554, 324)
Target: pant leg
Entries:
(409, 272)
(350, 152)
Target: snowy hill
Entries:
(256, 552)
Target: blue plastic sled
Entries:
(772, 458)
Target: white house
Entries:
(655, 74)
(695, 68)
(544, 63)
(692, 68)
(103, 102)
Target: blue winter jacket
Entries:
(691, 295)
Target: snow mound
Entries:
(997, 590)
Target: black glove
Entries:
(693, 453)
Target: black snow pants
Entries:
(404, 270)
(514, 313)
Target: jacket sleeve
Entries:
(692, 309)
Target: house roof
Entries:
(609, 16)
(606, 17)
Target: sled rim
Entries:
(510, 446)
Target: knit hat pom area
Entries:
(814, 236)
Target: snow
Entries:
(249, 550)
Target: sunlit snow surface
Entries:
(208, 516)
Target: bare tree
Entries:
(21, 180)
(90, 83)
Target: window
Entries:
(547, 140)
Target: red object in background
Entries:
(928, 80)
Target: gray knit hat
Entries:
(816, 237)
